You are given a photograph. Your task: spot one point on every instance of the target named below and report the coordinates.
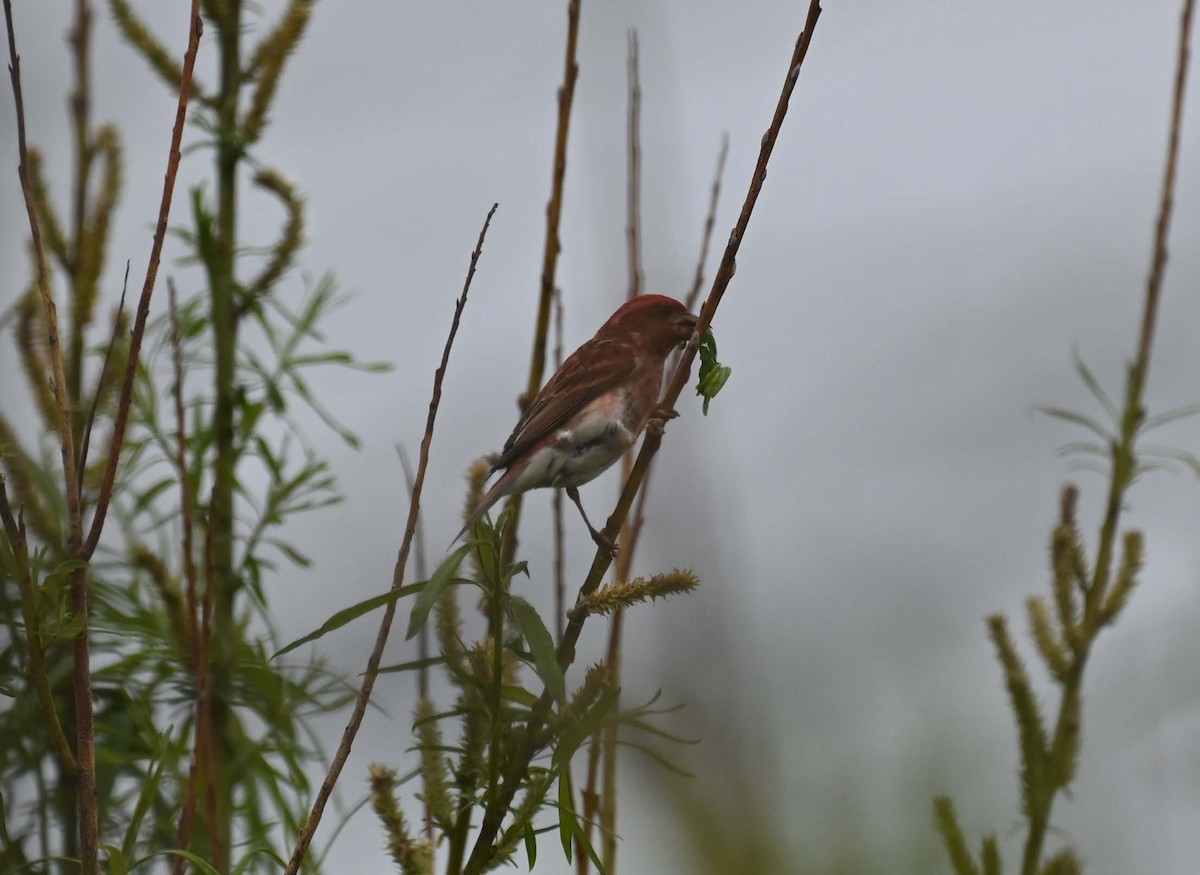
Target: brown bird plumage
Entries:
(594, 407)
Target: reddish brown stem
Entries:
(537, 362)
(117, 440)
(385, 625)
(527, 746)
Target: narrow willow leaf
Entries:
(1170, 416)
(433, 590)
(530, 845)
(198, 862)
(566, 812)
(1089, 380)
(410, 666)
(115, 864)
(541, 646)
(1079, 419)
(346, 615)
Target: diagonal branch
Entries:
(385, 626)
(117, 440)
(527, 746)
(537, 362)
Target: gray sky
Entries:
(963, 192)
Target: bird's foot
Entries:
(606, 543)
(659, 418)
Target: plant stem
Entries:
(493, 817)
(537, 362)
(309, 828)
(1124, 460)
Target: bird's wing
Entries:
(597, 367)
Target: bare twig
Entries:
(422, 567)
(100, 384)
(604, 743)
(80, 38)
(49, 310)
(493, 817)
(423, 634)
(81, 675)
(709, 221)
(385, 625)
(560, 580)
(117, 440)
(537, 362)
(633, 531)
(633, 229)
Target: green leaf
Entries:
(115, 863)
(1170, 416)
(1094, 386)
(344, 616)
(530, 845)
(541, 647)
(198, 862)
(410, 666)
(566, 812)
(432, 591)
(1079, 419)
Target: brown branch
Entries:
(537, 362)
(414, 508)
(49, 310)
(117, 440)
(709, 221)
(100, 384)
(81, 676)
(633, 190)
(493, 817)
(423, 635)
(560, 579)
(605, 742)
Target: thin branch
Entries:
(493, 817)
(423, 635)
(117, 440)
(633, 531)
(537, 362)
(199, 617)
(422, 568)
(81, 676)
(385, 625)
(100, 384)
(604, 743)
(49, 310)
(709, 221)
(560, 580)
(633, 191)
(185, 478)
(1124, 463)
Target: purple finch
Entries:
(594, 407)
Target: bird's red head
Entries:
(659, 322)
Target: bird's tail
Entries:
(499, 489)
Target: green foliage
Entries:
(1086, 597)
(501, 681)
(168, 621)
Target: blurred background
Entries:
(962, 195)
